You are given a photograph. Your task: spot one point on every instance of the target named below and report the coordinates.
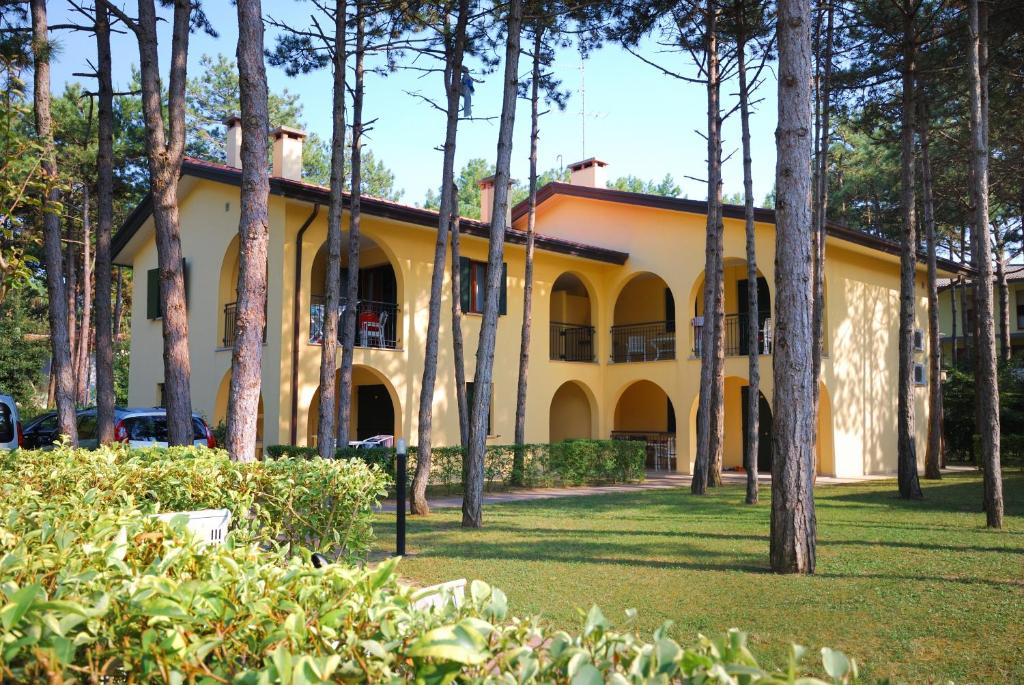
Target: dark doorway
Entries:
(376, 414)
(764, 432)
(764, 308)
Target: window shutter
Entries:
(153, 294)
(503, 302)
(670, 311)
(464, 276)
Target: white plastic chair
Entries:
(209, 525)
(636, 344)
(766, 336)
(375, 330)
(434, 597)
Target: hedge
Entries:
(1011, 449)
(94, 590)
(571, 462)
(326, 506)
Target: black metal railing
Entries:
(660, 447)
(644, 342)
(229, 323)
(736, 337)
(376, 323)
(571, 342)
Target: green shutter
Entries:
(184, 279)
(153, 294)
(503, 302)
(464, 275)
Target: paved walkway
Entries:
(655, 480)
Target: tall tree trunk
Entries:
(105, 398)
(71, 284)
(454, 47)
(953, 294)
(458, 342)
(710, 413)
(519, 465)
(57, 308)
(472, 514)
(933, 455)
(85, 330)
(820, 209)
(348, 329)
(793, 523)
(164, 154)
(753, 309)
(253, 236)
(1005, 351)
(909, 485)
(986, 379)
(327, 428)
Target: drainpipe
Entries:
(295, 322)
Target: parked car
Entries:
(139, 427)
(10, 425)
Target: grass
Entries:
(915, 591)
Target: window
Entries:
(1020, 311)
(6, 424)
(670, 312)
(474, 279)
(490, 410)
(153, 291)
(87, 427)
(918, 340)
(920, 377)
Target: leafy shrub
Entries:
(323, 505)
(959, 421)
(1011, 449)
(572, 462)
(95, 594)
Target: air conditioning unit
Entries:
(918, 340)
(920, 376)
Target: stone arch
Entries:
(571, 315)
(572, 413)
(373, 382)
(825, 455)
(735, 295)
(644, 320)
(227, 293)
(644, 412)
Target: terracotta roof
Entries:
(388, 209)
(678, 204)
(1014, 274)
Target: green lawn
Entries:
(915, 591)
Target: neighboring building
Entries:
(616, 317)
(965, 312)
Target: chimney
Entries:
(590, 173)
(233, 142)
(288, 152)
(486, 186)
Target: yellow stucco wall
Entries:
(666, 249)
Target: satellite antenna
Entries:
(583, 108)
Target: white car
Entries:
(145, 428)
(11, 436)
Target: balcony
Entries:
(229, 324)
(643, 342)
(736, 338)
(571, 342)
(376, 323)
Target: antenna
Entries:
(583, 108)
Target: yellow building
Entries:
(616, 317)
(964, 306)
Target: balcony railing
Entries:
(571, 342)
(661, 447)
(229, 324)
(644, 342)
(376, 323)
(736, 340)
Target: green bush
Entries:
(97, 592)
(572, 462)
(1011, 449)
(959, 410)
(323, 505)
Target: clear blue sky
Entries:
(638, 120)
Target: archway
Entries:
(644, 412)
(227, 294)
(220, 411)
(374, 409)
(825, 454)
(735, 304)
(377, 314)
(644, 321)
(572, 331)
(571, 414)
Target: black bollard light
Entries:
(401, 467)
